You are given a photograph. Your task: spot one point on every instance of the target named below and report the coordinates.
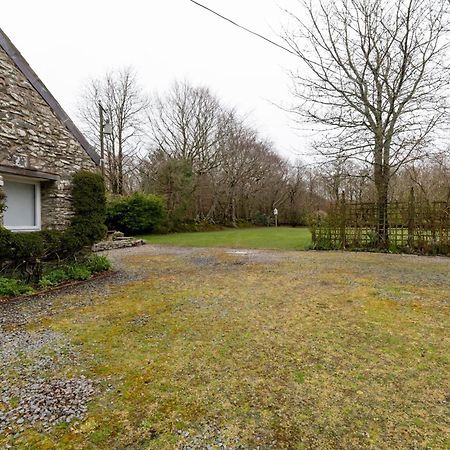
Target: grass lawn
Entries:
(275, 350)
(282, 238)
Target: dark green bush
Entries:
(261, 220)
(89, 208)
(43, 244)
(135, 214)
(2, 201)
(6, 239)
(25, 253)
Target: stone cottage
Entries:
(40, 148)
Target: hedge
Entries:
(135, 214)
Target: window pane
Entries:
(21, 204)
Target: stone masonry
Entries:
(33, 137)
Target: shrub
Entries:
(262, 220)
(11, 287)
(2, 201)
(96, 263)
(89, 208)
(78, 272)
(55, 276)
(135, 214)
(6, 240)
(26, 252)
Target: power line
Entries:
(244, 28)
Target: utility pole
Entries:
(105, 130)
(102, 145)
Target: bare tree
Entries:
(187, 123)
(125, 105)
(377, 74)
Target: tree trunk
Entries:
(382, 214)
(381, 177)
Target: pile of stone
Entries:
(47, 402)
(117, 240)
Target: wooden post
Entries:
(343, 221)
(411, 218)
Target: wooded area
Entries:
(373, 84)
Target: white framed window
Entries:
(23, 204)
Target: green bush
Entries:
(78, 272)
(96, 263)
(135, 214)
(2, 201)
(42, 244)
(55, 276)
(25, 253)
(10, 287)
(262, 220)
(89, 208)
(6, 239)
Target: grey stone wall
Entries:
(32, 137)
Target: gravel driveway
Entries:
(46, 388)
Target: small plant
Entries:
(299, 377)
(96, 263)
(10, 287)
(53, 277)
(78, 272)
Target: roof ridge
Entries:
(48, 97)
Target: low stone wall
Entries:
(113, 245)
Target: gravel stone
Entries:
(48, 402)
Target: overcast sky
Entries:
(67, 43)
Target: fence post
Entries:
(343, 221)
(411, 218)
